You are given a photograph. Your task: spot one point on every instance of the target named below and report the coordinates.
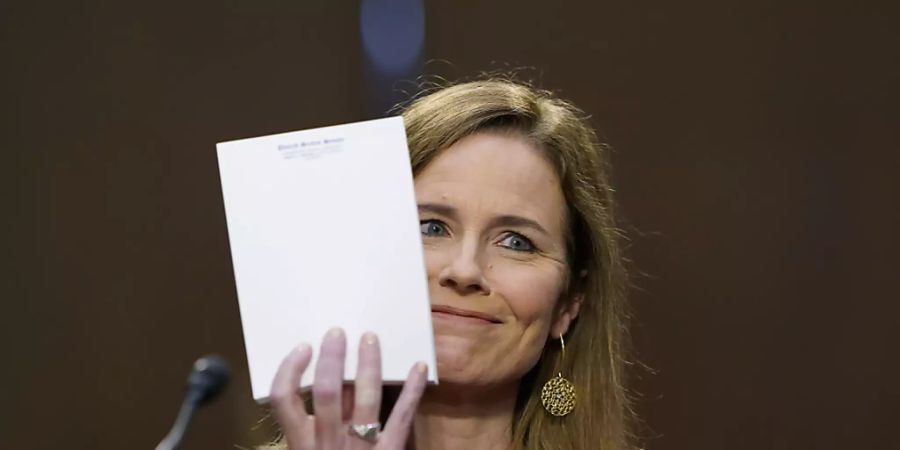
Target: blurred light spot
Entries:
(393, 34)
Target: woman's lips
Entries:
(463, 315)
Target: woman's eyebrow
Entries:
(510, 220)
(439, 209)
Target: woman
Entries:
(522, 255)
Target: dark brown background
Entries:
(757, 151)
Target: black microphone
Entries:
(207, 379)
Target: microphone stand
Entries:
(173, 440)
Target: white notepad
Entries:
(324, 232)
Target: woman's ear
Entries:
(566, 315)
(569, 309)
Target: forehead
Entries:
(501, 172)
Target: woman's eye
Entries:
(432, 228)
(517, 242)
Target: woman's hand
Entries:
(327, 429)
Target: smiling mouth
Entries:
(443, 310)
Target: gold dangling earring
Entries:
(558, 395)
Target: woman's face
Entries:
(493, 227)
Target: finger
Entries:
(327, 389)
(287, 406)
(397, 430)
(367, 389)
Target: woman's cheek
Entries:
(530, 291)
(435, 257)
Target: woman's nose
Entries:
(464, 272)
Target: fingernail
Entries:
(303, 348)
(369, 338)
(335, 333)
(421, 367)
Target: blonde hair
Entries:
(596, 342)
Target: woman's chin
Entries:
(456, 364)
